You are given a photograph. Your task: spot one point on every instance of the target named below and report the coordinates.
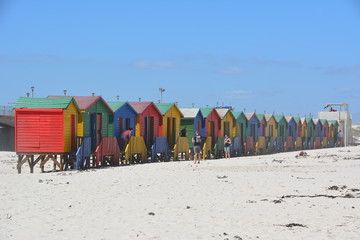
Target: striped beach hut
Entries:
(317, 132)
(212, 123)
(270, 132)
(290, 133)
(310, 132)
(227, 123)
(324, 133)
(261, 144)
(148, 121)
(96, 120)
(45, 127)
(193, 120)
(241, 123)
(333, 130)
(170, 127)
(124, 119)
(281, 126)
(252, 132)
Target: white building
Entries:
(340, 112)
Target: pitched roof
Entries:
(316, 120)
(278, 118)
(323, 121)
(222, 112)
(268, 117)
(139, 107)
(60, 103)
(115, 105)
(303, 120)
(190, 112)
(249, 115)
(297, 119)
(334, 122)
(165, 107)
(289, 118)
(206, 111)
(260, 116)
(86, 102)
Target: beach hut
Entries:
(270, 132)
(212, 123)
(170, 127)
(317, 132)
(45, 127)
(227, 123)
(124, 119)
(252, 132)
(333, 130)
(281, 126)
(241, 123)
(261, 144)
(148, 121)
(298, 144)
(193, 120)
(324, 133)
(96, 120)
(291, 133)
(310, 126)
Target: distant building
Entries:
(339, 112)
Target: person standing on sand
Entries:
(197, 146)
(227, 143)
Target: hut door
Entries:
(73, 132)
(149, 131)
(282, 132)
(98, 129)
(168, 131)
(227, 129)
(92, 131)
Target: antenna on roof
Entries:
(207, 105)
(93, 94)
(254, 110)
(217, 104)
(244, 109)
(264, 111)
(159, 101)
(28, 94)
(193, 104)
(117, 97)
(65, 91)
(139, 99)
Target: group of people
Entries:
(197, 139)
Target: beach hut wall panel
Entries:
(262, 126)
(325, 128)
(227, 122)
(291, 127)
(310, 127)
(270, 130)
(148, 121)
(281, 126)
(241, 123)
(124, 118)
(170, 127)
(212, 123)
(333, 128)
(253, 124)
(45, 125)
(192, 120)
(298, 126)
(317, 128)
(304, 128)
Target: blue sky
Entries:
(274, 56)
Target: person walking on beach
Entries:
(125, 136)
(197, 146)
(227, 144)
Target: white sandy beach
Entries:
(241, 198)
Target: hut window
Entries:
(127, 123)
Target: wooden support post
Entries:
(19, 164)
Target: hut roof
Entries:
(323, 121)
(289, 118)
(268, 116)
(86, 102)
(278, 118)
(139, 107)
(165, 107)
(297, 119)
(222, 112)
(60, 103)
(260, 116)
(189, 112)
(115, 105)
(249, 115)
(334, 122)
(206, 111)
